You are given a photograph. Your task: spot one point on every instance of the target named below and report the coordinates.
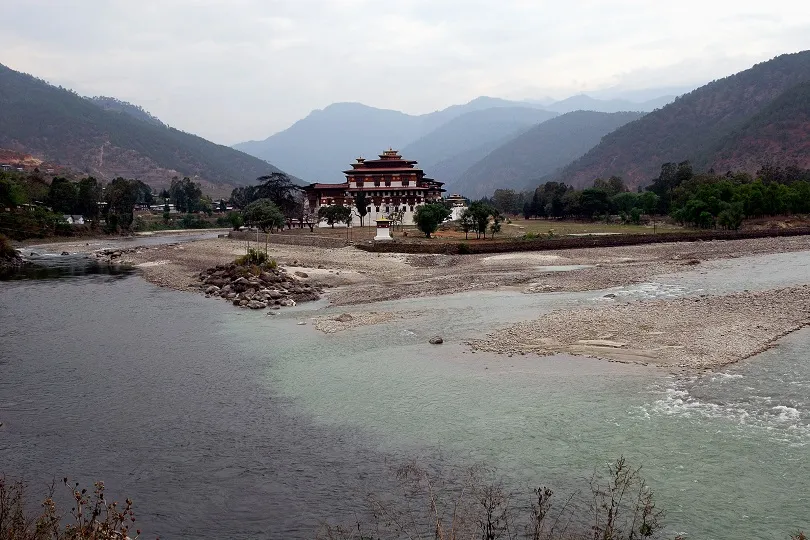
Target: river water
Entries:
(226, 423)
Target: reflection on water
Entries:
(63, 266)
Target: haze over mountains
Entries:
(316, 147)
(758, 116)
(521, 162)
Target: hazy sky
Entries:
(243, 69)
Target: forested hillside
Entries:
(696, 125)
(521, 162)
(57, 125)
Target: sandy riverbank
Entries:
(357, 277)
(683, 333)
(705, 332)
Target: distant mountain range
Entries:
(587, 103)
(445, 142)
(108, 138)
(741, 122)
(521, 162)
(737, 123)
(470, 136)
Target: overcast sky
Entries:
(243, 69)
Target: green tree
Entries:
(361, 203)
(278, 187)
(428, 217)
(624, 202)
(467, 222)
(731, 218)
(236, 220)
(595, 202)
(62, 196)
(649, 202)
(185, 194)
(505, 200)
(334, 214)
(481, 213)
(613, 186)
(264, 214)
(121, 196)
(206, 205)
(495, 226)
(89, 197)
(243, 196)
(12, 194)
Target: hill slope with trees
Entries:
(779, 135)
(695, 123)
(59, 126)
(522, 161)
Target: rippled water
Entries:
(227, 423)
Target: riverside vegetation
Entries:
(454, 504)
(91, 517)
(702, 200)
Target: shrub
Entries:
(464, 248)
(191, 221)
(92, 517)
(6, 249)
(530, 236)
(474, 504)
(139, 224)
(257, 258)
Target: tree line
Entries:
(704, 200)
(36, 207)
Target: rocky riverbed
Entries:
(679, 334)
(689, 333)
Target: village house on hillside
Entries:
(391, 184)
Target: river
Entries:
(226, 423)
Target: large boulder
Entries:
(436, 340)
(255, 304)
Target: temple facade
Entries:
(391, 184)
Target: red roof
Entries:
(344, 185)
(372, 172)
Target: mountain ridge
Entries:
(538, 152)
(689, 127)
(59, 126)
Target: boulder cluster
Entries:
(246, 287)
(110, 255)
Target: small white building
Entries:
(74, 219)
(457, 205)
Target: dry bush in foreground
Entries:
(434, 506)
(91, 517)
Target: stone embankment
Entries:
(272, 288)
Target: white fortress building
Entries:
(390, 184)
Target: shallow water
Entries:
(222, 422)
